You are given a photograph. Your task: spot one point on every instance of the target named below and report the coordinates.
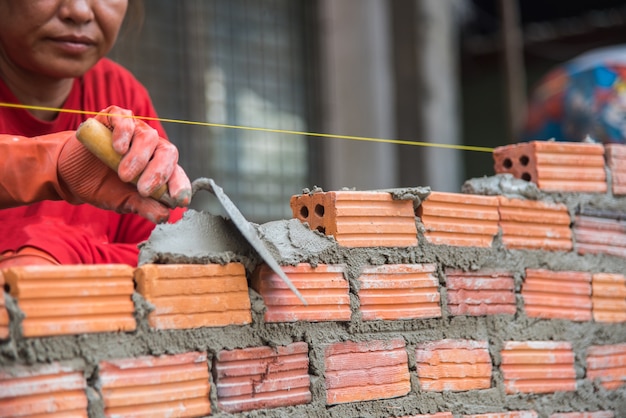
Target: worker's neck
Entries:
(36, 90)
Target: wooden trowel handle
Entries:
(97, 138)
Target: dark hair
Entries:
(135, 15)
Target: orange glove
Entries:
(27, 256)
(146, 156)
(58, 166)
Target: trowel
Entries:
(96, 137)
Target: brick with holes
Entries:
(358, 219)
(555, 166)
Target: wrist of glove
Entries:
(26, 256)
(149, 160)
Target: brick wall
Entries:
(506, 301)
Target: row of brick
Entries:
(369, 219)
(62, 300)
(265, 377)
(565, 166)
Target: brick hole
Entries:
(304, 212)
(507, 163)
(319, 210)
(321, 229)
(7, 288)
(524, 160)
(526, 176)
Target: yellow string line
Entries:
(268, 130)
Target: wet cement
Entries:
(204, 238)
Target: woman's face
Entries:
(58, 38)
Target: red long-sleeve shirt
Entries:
(78, 234)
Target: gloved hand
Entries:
(146, 156)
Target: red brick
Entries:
(51, 389)
(512, 414)
(363, 371)
(324, 287)
(538, 367)
(555, 166)
(195, 295)
(453, 365)
(480, 293)
(169, 385)
(600, 236)
(608, 364)
(598, 414)
(616, 161)
(608, 297)
(263, 377)
(437, 415)
(4, 314)
(358, 219)
(557, 294)
(399, 291)
(535, 225)
(459, 219)
(73, 299)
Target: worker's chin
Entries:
(68, 67)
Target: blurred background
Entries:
(438, 71)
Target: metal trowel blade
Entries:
(246, 229)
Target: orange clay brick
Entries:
(555, 166)
(557, 294)
(616, 161)
(73, 299)
(399, 291)
(596, 235)
(459, 219)
(535, 225)
(263, 377)
(437, 415)
(55, 388)
(538, 367)
(324, 287)
(195, 295)
(4, 314)
(169, 385)
(358, 219)
(607, 363)
(608, 297)
(480, 293)
(597, 414)
(363, 371)
(453, 365)
(512, 414)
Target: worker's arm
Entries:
(59, 167)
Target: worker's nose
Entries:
(76, 11)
